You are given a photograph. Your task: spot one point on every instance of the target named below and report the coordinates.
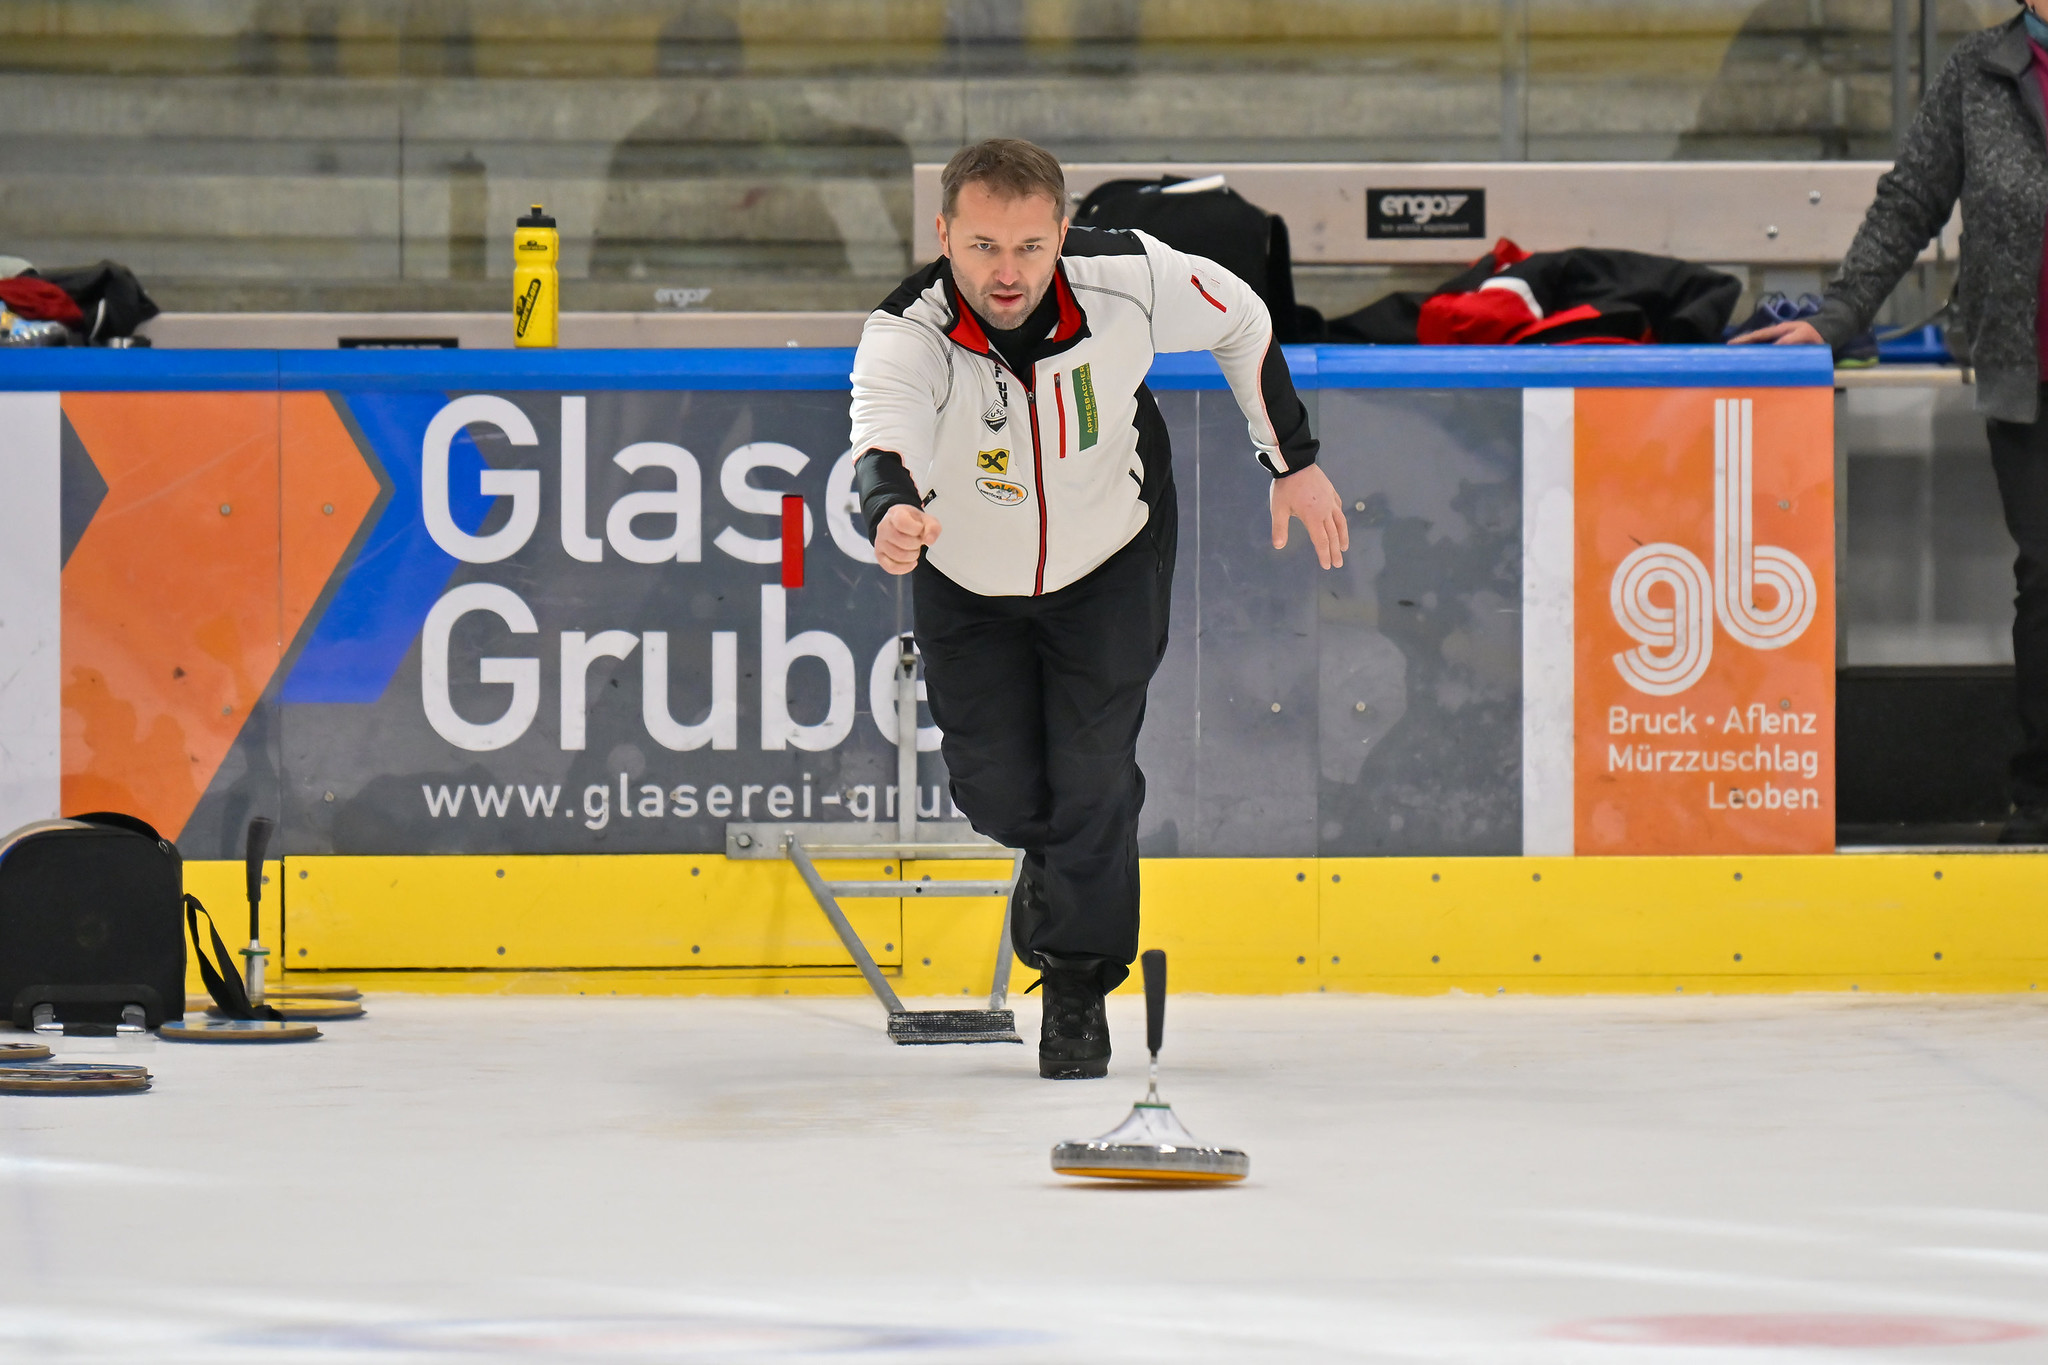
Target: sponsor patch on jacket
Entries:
(1001, 491)
(999, 411)
(1084, 398)
(994, 461)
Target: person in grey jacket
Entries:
(1981, 137)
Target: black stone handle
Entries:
(259, 844)
(1153, 964)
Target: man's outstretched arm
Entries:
(896, 520)
(1198, 305)
(898, 388)
(881, 482)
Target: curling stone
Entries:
(72, 1078)
(1151, 1145)
(238, 1031)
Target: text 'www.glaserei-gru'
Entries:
(644, 800)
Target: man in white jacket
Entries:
(1014, 461)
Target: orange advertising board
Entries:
(1704, 690)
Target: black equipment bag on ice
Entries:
(89, 912)
(1219, 224)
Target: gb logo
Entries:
(1675, 640)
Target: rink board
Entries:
(1924, 922)
(485, 603)
(521, 613)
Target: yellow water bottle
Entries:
(536, 282)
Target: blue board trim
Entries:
(512, 371)
(1198, 369)
(828, 368)
(1574, 367)
(99, 370)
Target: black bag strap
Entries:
(223, 982)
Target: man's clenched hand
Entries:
(1306, 494)
(905, 530)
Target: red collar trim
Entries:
(965, 329)
(968, 333)
(1070, 311)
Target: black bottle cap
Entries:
(537, 219)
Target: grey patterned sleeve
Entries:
(1913, 203)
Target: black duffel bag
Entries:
(1219, 224)
(90, 932)
(90, 912)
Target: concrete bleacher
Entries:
(280, 155)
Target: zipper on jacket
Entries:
(1038, 478)
(1060, 401)
(1037, 458)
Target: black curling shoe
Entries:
(1073, 1037)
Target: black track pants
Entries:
(2019, 455)
(1041, 699)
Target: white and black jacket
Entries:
(1037, 479)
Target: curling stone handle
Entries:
(1153, 964)
(259, 844)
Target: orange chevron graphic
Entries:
(207, 553)
(322, 468)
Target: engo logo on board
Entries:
(1675, 640)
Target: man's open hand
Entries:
(905, 530)
(1307, 495)
(1796, 333)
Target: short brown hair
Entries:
(1011, 168)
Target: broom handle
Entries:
(1153, 964)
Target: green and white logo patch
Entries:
(1084, 399)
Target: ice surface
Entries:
(1498, 1180)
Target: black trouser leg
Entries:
(1098, 651)
(981, 680)
(2019, 455)
(1041, 700)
